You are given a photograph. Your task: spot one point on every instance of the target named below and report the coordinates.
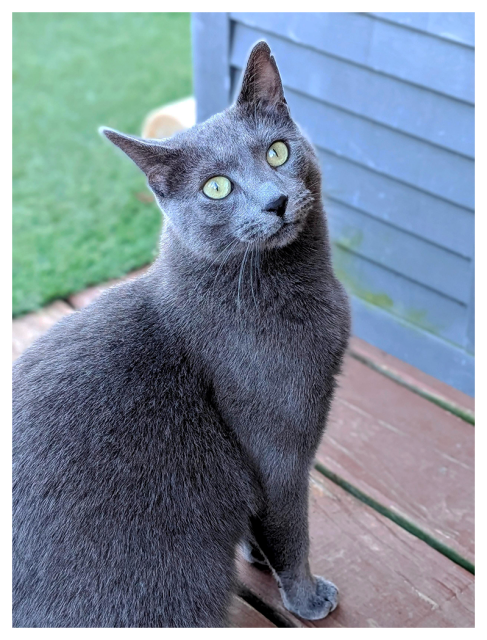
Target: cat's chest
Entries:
(280, 358)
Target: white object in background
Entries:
(167, 120)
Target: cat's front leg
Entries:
(281, 535)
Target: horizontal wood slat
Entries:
(405, 207)
(389, 152)
(242, 615)
(423, 349)
(440, 65)
(405, 452)
(459, 27)
(413, 377)
(388, 101)
(386, 576)
(401, 252)
(399, 296)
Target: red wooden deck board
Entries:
(405, 452)
(386, 576)
(411, 375)
(244, 616)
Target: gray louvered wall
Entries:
(388, 101)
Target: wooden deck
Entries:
(391, 497)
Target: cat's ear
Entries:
(261, 81)
(148, 155)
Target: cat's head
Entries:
(244, 176)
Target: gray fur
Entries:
(179, 414)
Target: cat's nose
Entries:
(278, 206)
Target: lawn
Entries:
(80, 211)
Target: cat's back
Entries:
(114, 350)
(98, 333)
(121, 468)
(110, 383)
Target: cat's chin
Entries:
(283, 236)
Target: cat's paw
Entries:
(253, 556)
(311, 601)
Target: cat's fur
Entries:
(179, 414)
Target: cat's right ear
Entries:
(261, 81)
(150, 156)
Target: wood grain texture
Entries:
(409, 108)
(439, 65)
(410, 255)
(405, 452)
(423, 349)
(411, 375)
(28, 328)
(459, 27)
(242, 615)
(386, 576)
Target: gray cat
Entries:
(178, 415)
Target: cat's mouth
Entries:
(286, 233)
(272, 231)
(274, 238)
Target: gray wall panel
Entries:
(459, 27)
(407, 342)
(407, 208)
(471, 313)
(394, 154)
(436, 64)
(210, 34)
(398, 295)
(411, 109)
(401, 252)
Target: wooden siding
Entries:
(459, 27)
(388, 101)
(433, 63)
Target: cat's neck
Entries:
(190, 279)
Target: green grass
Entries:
(77, 216)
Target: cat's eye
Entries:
(277, 154)
(217, 188)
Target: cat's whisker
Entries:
(303, 202)
(223, 263)
(200, 282)
(259, 253)
(240, 276)
(251, 274)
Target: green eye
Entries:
(217, 188)
(277, 154)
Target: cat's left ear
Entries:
(149, 155)
(261, 81)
